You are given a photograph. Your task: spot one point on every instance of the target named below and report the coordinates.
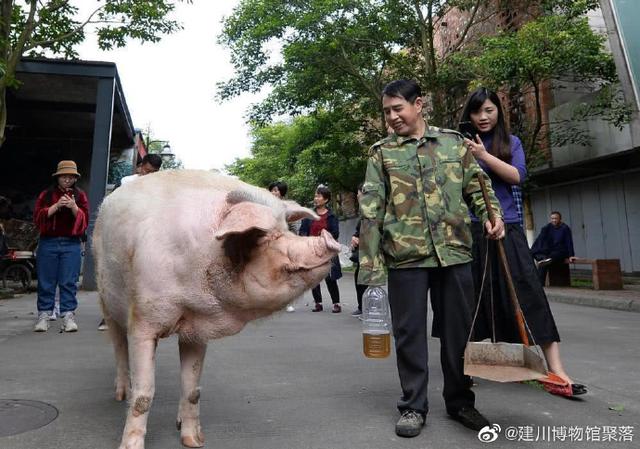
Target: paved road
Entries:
(299, 380)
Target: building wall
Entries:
(623, 48)
(605, 139)
(603, 213)
(625, 16)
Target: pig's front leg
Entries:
(142, 350)
(188, 422)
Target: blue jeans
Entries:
(58, 264)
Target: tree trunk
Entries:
(538, 123)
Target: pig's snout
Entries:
(331, 243)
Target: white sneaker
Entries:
(69, 322)
(42, 325)
(291, 309)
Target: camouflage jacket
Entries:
(415, 203)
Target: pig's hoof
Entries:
(190, 433)
(132, 446)
(135, 442)
(193, 440)
(122, 390)
(121, 394)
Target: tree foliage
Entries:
(551, 48)
(54, 28)
(310, 150)
(337, 55)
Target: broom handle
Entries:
(505, 266)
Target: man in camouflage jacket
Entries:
(419, 185)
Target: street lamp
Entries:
(166, 153)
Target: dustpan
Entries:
(499, 361)
(503, 362)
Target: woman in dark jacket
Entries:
(312, 228)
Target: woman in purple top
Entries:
(502, 158)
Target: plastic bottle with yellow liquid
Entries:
(376, 323)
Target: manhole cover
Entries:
(18, 416)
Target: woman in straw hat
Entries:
(62, 216)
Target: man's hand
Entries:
(495, 232)
(355, 241)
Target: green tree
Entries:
(332, 59)
(550, 49)
(337, 55)
(41, 28)
(309, 150)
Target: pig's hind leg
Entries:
(142, 350)
(121, 349)
(188, 421)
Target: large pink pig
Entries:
(199, 255)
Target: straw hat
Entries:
(67, 168)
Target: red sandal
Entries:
(555, 384)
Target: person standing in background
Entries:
(312, 228)
(150, 163)
(62, 216)
(554, 245)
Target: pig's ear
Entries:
(295, 212)
(244, 217)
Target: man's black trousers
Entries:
(452, 303)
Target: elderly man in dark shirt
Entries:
(553, 245)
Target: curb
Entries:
(625, 305)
